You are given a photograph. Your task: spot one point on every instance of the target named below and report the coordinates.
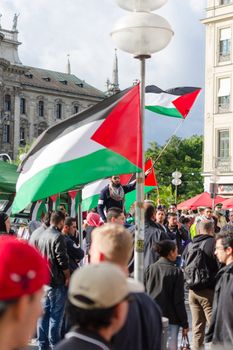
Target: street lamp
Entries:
(141, 33)
(5, 155)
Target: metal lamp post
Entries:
(141, 33)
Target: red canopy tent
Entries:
(200, 200)
(228, 203)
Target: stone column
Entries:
(16, 123)
(32, 117)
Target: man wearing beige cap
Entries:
(96, 309)
(143, 327)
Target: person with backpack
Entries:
(200, 269)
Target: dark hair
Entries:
(206, 226)
(173, 205)
(68, 221)
(163, 248)
(208, 208)
(113, 212)
(3, 218)
(57, 217)
(169, 215)
(47, 218)
(85, 319)
(149, 211)
(227, 229)
(227, 239)
(184, 220)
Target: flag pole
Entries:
(139, 218)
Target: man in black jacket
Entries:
(176, 232)
(51, 244)
(74, 251)
(201, 296)
(113, 195)
(221, 328)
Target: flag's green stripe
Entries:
(90, 203)
(171, 112)
(130, 197)
(63, 176)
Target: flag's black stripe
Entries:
(95, 113)
(133, 177)
(178, 91)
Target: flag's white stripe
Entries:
(94, 188)
(73, 145)
(163, 99)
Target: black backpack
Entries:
(196, 272)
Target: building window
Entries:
(225, 44)
(7, 103)
(225, 2)
(22, 136)
(223, 144)
(41, 108)
(58, 110)
(76, 109)
(6, 133)
(22, 105)
(224, 95)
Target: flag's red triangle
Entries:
(121, 130)
(125, 179)
(150, 180)
(184, 102)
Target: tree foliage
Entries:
(184, 155)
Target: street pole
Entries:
(139, 217)
(80, 219)
(141, 33)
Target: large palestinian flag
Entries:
(175, 102)
(99, 142)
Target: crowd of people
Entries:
(91, 301)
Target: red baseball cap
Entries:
(23, 270)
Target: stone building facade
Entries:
(218, 128)
(32, 99)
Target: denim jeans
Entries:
(49, 325)
(173, 331)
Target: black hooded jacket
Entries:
(221, 325)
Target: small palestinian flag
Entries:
(175, 102)
(99, 142)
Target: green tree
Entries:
(22, 150)
(185, 155)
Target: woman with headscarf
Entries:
(93, 220)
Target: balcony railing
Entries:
(223, 107)
(223, 164)
(224, 57)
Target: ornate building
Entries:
(218, 132)
(32, 99)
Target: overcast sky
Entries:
(51, 29)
